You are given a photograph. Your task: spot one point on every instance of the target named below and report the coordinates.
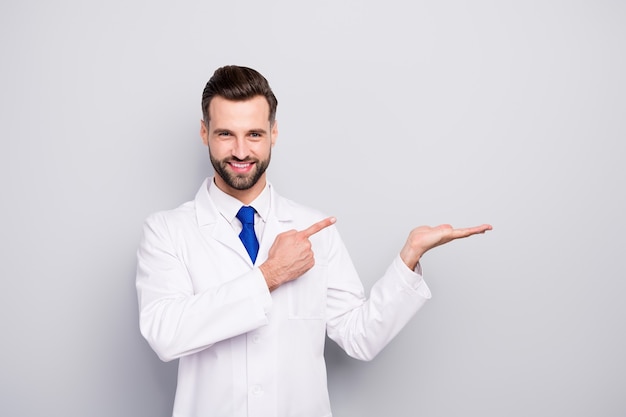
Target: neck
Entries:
(245, 196)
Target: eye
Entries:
(223, 133)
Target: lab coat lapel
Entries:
(214, 227)
(222, 232)
(280, 219)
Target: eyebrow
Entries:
(218, 130)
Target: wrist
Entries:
(270, 275)
(410, 259)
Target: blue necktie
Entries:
(247, 235)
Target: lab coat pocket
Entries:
(307, 294)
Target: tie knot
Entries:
(246, 215)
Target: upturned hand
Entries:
(425, 238)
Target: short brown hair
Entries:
(238, 83)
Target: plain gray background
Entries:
(392, 114)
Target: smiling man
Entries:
(240, 134)
(242, 285)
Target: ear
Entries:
(204, 133)
(274, 132)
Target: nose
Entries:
(240, 149)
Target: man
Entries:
(247, 317)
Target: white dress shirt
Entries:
(228, 206)
(242, 350)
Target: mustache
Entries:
(244, 160)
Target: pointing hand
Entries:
(291, 254)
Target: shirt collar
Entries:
(228, 206)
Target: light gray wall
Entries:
(420, 112)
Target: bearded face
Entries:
(240, 174)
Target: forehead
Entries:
(255, 110)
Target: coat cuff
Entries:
(412, 279)
(260, 290)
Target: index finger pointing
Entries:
(316, 227)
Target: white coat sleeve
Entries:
(364, 326)
(174, 319)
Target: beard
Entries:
(240, 181)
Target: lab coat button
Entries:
(257, 390)
(256, 338)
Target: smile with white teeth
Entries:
(240, 165)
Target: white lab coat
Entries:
(243, 351)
